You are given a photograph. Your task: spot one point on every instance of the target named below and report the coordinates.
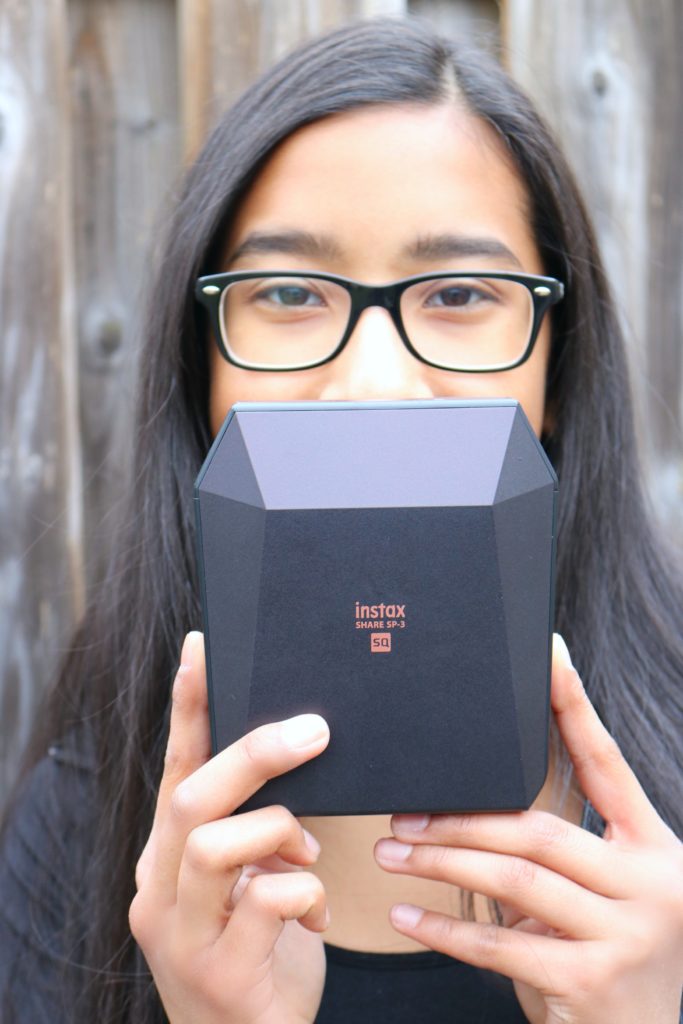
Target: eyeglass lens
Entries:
(464, 323)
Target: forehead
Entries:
(376, 179)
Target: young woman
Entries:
(375, 154)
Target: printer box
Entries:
(389, 566)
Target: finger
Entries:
(264, 866)
(510, 915)
(513, 918)
(534, 835)
(604, 776)
(189, 741)
(189, 737)
(271, 865)
(529, 887)
(220, 785)
(258, 919)
(537, 960)
(213, 859)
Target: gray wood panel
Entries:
(41, 568)
(609, 80)
(475, 21)
(89, 148)
(226, 44)
(123, 78)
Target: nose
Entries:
(376, 365)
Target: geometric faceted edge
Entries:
(232, 537)
(525, 543)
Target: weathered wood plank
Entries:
(475, 21)
(226, 44)
(195, 69)
(609, 80)
(126, 153)
(41, 588)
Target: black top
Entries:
(39, 873)
(413, 988)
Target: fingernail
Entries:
(312, 843)
(303, 731)
(327, 917)
(188, 651)
(390, 850)
(405, 915)
(560, 646)
(410, 822)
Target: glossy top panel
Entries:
(374, 455)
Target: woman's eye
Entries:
(457, 296)
(290, 295)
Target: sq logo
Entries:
(380, 643)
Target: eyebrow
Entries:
(324, 247)
(446, 246)
(293, 243)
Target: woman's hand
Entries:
(593, 928)
(225, 915)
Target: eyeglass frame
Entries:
(544, 291)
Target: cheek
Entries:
(530, 393)
(526, 384)
(230, 384)
(220, 390)
(226, 387)
(529, 382)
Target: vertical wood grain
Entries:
(609, 81)
(126, 155)
(474, 21)
(196, 74)
(41, 565)
(226, 44)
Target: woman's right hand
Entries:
(226, 916)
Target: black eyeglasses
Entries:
(470, 321)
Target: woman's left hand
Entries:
(592, 927)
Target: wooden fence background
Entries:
(101, 101)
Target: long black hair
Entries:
(618, 599)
